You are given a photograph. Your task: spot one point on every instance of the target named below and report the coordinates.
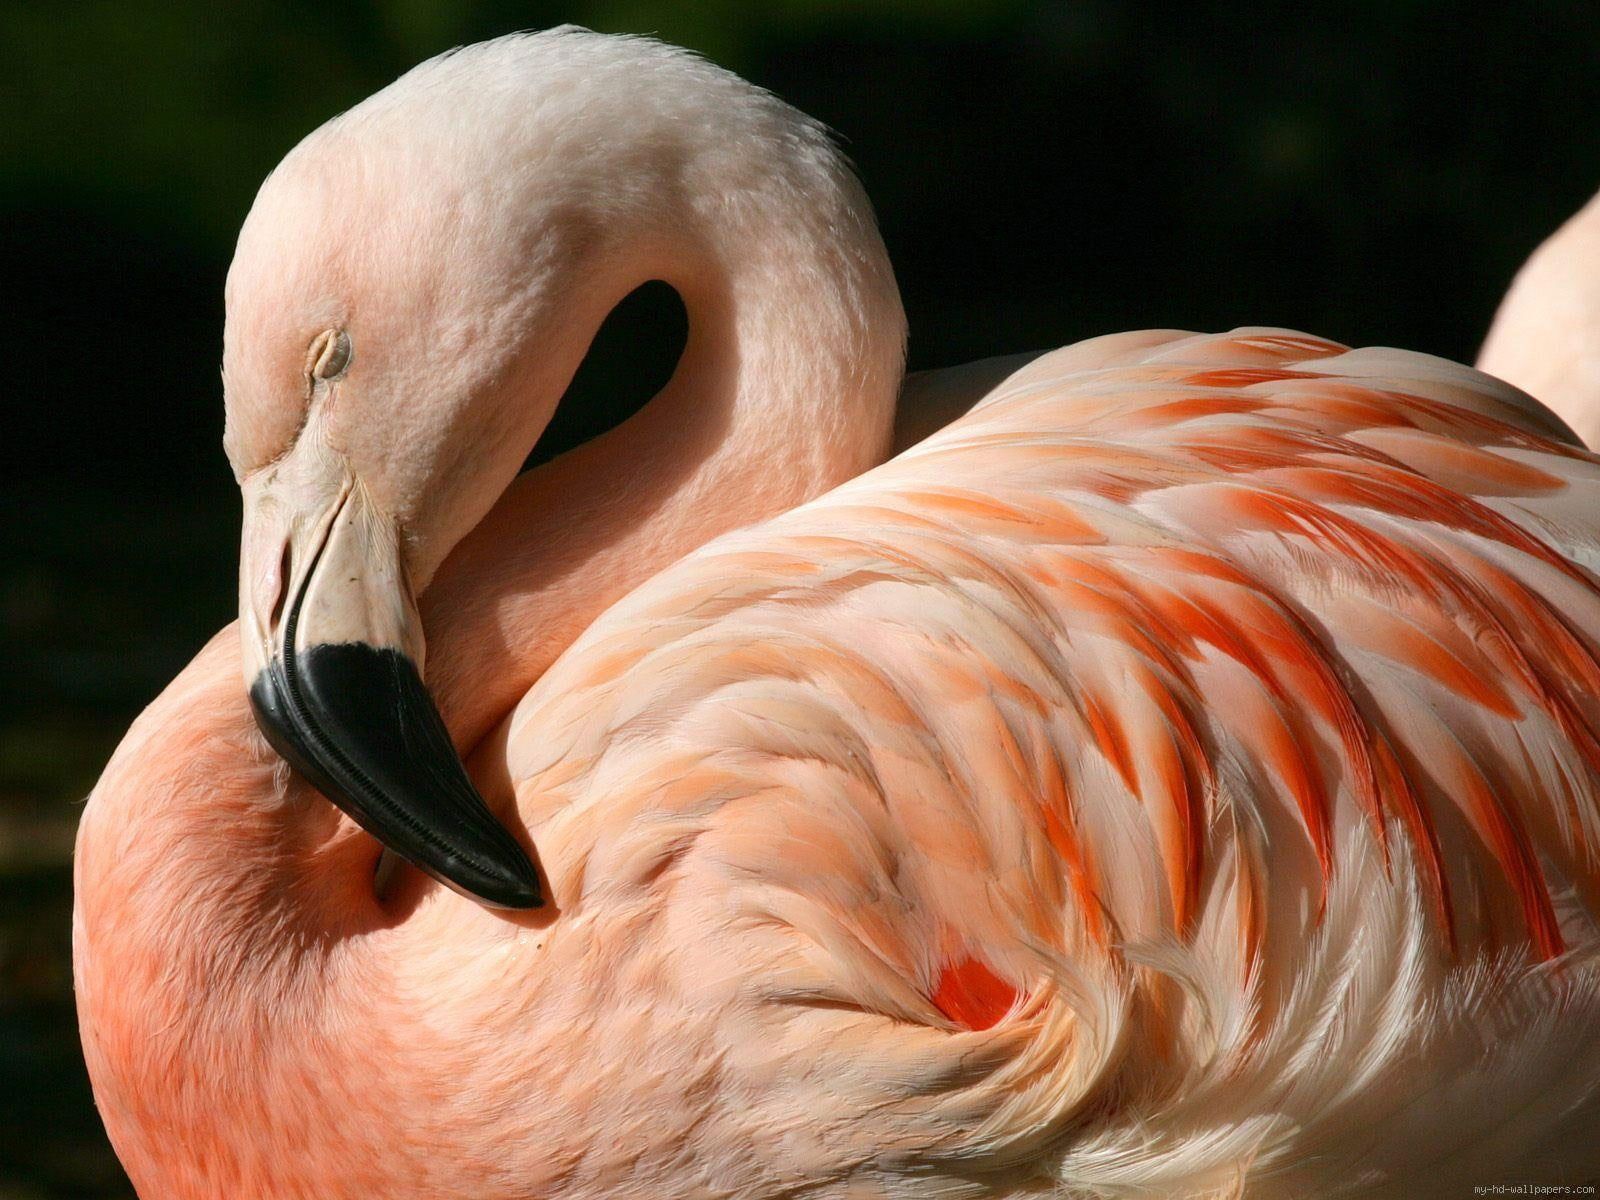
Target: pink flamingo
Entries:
(1176, 777)
(1546, 337)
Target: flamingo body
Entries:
(1546, 336)
(1163, 778)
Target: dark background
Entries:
(1043, 172)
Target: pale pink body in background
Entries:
(1176, 777)
(1546, 336)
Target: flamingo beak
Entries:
(333, 664)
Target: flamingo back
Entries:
(1179, 773)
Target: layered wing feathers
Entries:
(1189, 685)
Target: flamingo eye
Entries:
(330, 355)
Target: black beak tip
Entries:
(518, 890)
(356, 721)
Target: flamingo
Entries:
(1544, 338)
(1176, 776)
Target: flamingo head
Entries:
(412, 290)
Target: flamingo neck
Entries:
(219, 933)
(786, 388)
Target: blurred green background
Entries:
(1373, 171)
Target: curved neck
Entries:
(786, 388)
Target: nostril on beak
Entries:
(281, 589)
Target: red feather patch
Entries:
(972, 995)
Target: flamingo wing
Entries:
(1209, 719)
